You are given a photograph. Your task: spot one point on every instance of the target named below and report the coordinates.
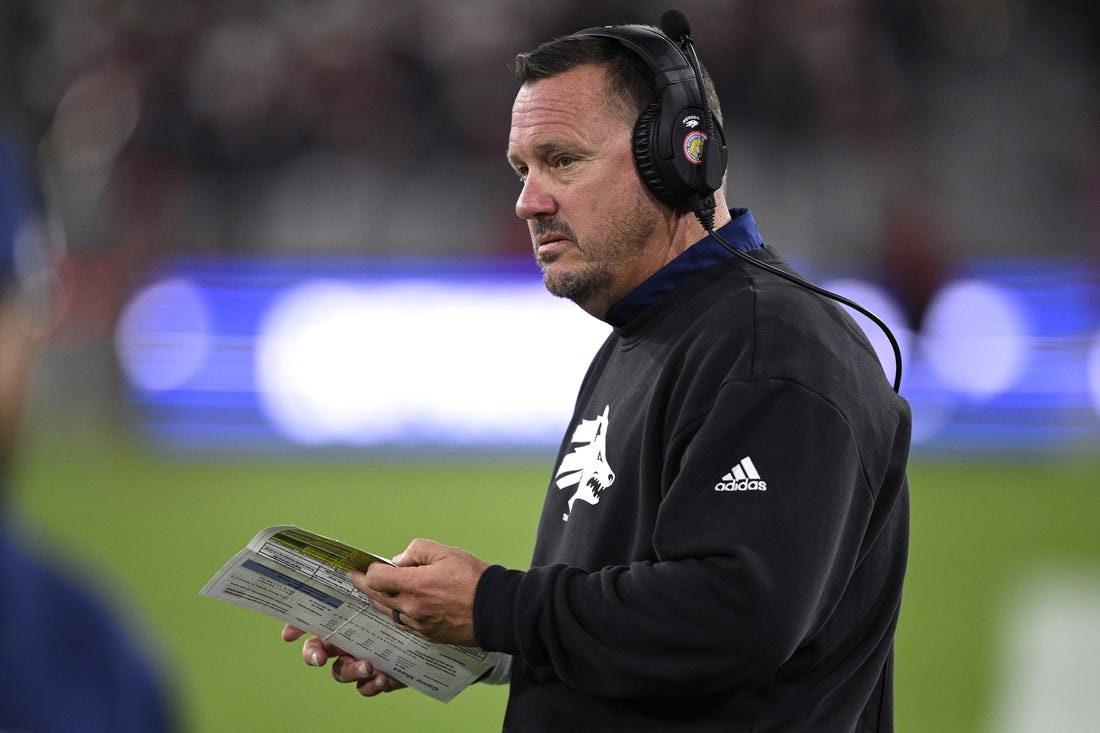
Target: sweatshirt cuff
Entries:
(494, 601)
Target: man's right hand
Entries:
(316, 652)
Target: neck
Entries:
(695, 231)
(684, 230)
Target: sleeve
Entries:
(500, 674)
(742, 577)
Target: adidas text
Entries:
(742, 477)
(742, 484)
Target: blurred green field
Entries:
(159, 528)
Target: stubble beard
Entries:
(606, 254)
(579, 286)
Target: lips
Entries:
(551, 243)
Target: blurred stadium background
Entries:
(289, 274)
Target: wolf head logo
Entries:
(586, 468)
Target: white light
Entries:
(1093, 367)
(471, 363)
(163, 335)
(879, 302)
(976, 338)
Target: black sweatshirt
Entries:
(724, 538)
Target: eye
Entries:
(564, 161)
(521, 173)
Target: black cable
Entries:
(824, 293)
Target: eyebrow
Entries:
(540, 150)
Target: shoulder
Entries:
(755, 325)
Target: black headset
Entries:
(679, 146)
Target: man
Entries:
(68, 663)
(724, 538)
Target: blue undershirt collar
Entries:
(740, 232)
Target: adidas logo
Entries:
(742, 477)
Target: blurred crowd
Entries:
(888, 135)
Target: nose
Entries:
(534, 200)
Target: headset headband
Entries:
(677, 140)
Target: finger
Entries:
(316, 651)
(404, 622)
(378, 684)
(419, 552)
(379, 579)
(358, 578)
(292, 633)
(382, 602)
(347, 668)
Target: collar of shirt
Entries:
(740, 232)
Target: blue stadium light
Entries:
(262, 355)
(163, 335)
(976, 338)
(1094, 371)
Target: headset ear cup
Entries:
(645, 158)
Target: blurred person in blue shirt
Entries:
(69, 663)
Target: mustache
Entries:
(552, 224)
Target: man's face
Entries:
(594, 226)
